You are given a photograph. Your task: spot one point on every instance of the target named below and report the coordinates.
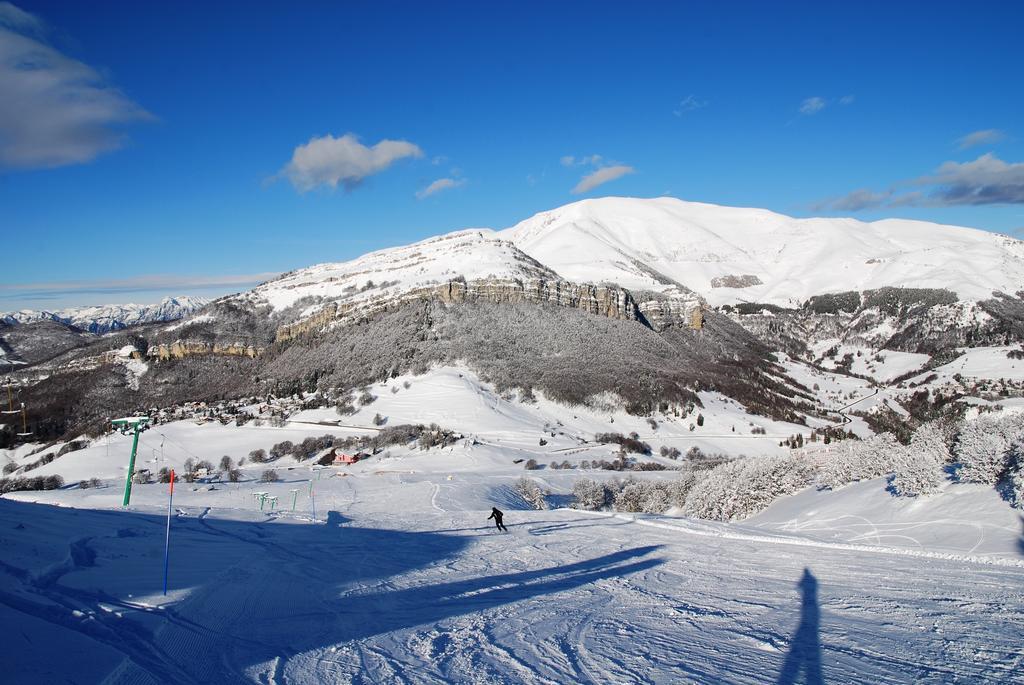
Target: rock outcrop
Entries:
(608, 301)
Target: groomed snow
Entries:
(400, 579)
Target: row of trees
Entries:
(988, 450)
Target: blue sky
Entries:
(149, 149)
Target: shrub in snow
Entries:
(379, 420)
(670, 452)
(345, 406)
(34, 483)
(280, 449)
(226, 463)
(737, 489)
(631, 497)
(435, 436)
(258, 456)
(854, 461)
(630, 444)
(982, 447)
(366, 398)
(531, 492)
(531, 465)
(679, 488)
(657, 499)
(920, 466)
(269, 477)
(234, 475)
(591, 495)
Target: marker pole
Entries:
(167, 540)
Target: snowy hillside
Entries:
(730, 254)
(112, 317)
(470, 254)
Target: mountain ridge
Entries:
(101, 319)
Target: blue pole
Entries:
(167, 540)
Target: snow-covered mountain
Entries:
(730, 254)
(112, 317)
(468, 254)
(726, 255)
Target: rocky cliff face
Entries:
(188, 348)
(607, 301)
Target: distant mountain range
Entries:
(112, 317)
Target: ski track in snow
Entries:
(392, 590)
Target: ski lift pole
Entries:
(136, 422)
(167, 540)
(312, 499)
(295, 494)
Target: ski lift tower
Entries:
(135, 425)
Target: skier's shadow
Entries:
(805, 647)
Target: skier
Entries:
(496, 515)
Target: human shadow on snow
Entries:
(1020, 543)
(258, 592)
(805, 646)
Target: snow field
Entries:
(403, 589)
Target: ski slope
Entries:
(395, 584)
(386, 571)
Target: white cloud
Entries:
(329, 161)
(590, 160)
(812, 106)
(602, 176)
(689, 104)
(987, 180)
(439, 185)
(985, 137)
(54, 110)
(847, 100)
(19, 20)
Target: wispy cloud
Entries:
(812, 106)
(987, 136)
(847, 100)
(590, 160)
(145, 283)
(689, 104)
(855, 201)
(601, 176)
(54, 110)
(439, 185)
(330, 161)
(987, 180)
